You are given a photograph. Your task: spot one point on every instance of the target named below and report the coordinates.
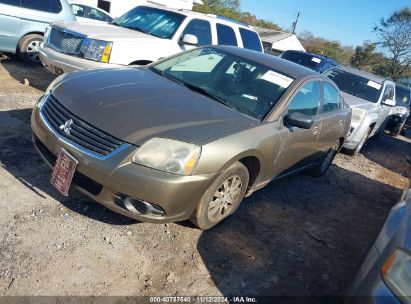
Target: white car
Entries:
(86, 13)
(143, 35)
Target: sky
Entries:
(349, 21)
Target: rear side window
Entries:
(201, 29)
(331, 98)
(226, 35)
(306, 100)
(49, 6)
(251, 40)
(11, 2)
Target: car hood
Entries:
(105, 31)
(136, 104)
(357, 102)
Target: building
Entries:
(276, 42)
(117, 8)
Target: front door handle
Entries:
(316, 129)
(341, 122)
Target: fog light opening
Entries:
(141, 207)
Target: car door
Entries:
(199, 28)
(301, 145)
(10, 25)
(384, 110)
(332, 117)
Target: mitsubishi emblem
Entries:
(66, 127)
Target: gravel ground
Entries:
(298, 236)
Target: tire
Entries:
(358, 148)
(397, 129)
(326, 161)
(206, 216)
(27, 49)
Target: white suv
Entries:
(139, 37)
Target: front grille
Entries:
(78, 131)
(66, 42)
(79, 179)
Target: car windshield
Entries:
(402, 96)
(246, 86)
(356, 85)
(153, 21)
(306, 60)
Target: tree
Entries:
(394, 36)
(364, 57)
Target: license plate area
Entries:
(63, 172)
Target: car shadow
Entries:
(19, 157)
(37, 76)
(298, 237)
(389, 152)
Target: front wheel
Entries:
(222, 198)
(358, 148)
(28, 48)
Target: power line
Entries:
(295, 23)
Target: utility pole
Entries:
(295, 23)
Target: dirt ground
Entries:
(298, 236)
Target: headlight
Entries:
(168, 155)
(47, 34)
(396, 272)
(358, 115)
(400, 110)
(96, 50)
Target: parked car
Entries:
(141, 36)
(189, 136)
(401, 111)
(23, 23)
(385, 275)
(371, 98)
(85, 13)
(312, 61)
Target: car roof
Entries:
(325, 58)
(220, 19)
(286, 67)
(358, 72)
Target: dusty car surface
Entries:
(189, 136)
(401, 111)
(372, 99)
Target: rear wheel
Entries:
(28, 48)
(326, 162)
(222, 198)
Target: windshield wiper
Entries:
(206, 93)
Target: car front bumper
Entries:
(58, 63)
(109, 180)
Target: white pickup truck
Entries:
(141, 36)
(371, 98)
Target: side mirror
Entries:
(189, 39)
(409, 159)
(389, 102)
(299, 120)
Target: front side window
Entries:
(402, 96)
(152, 21)
(307, 100)
(201, 29)
(251, 40)
(331, 98)
(49, 6)
(355, 85)
(243, 85)
(388, 93)
(98, 15)
(226, 35)
(11, 2)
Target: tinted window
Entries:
(50, 6)
(78, 10)
(307, 60)
(331, 98)
(402, 96)
(11, 2)
(306, 100)
(355, 85)
(251, 40)
(226, 35)
(201, 29)
(97, 15)
(153, 21)
(242, 84)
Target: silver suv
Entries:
(371, 99)
(23, 23)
